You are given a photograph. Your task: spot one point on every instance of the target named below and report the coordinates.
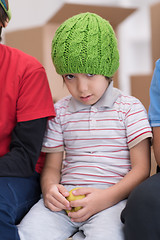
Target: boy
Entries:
(23, 117)
(104, 133)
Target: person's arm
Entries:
(54, 194)
(154, 111)
(97, 200)
(25, 147)
(156, 144)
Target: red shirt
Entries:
(24, 93)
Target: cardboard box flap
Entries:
(115, 15)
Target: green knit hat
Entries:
(85, 43)
(5, 5)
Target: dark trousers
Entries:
(141, 216)
(17, 195)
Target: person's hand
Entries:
(95, 201)
(55, 197)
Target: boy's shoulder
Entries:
(126, 98)
(126, 102)
(19, 58)
(63, 103)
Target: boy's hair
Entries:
(5, 14)
(5, 5)
(85, 43)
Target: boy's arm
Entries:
(156, 144)
(52, 168)
(97, 200)
(141, 165)
(53, 193)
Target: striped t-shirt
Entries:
(96, 139)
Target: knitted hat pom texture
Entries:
(85, 43)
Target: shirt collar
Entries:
(107, 100)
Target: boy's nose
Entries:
(82, 85)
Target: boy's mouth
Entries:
(86, 98)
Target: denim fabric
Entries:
(17, 195)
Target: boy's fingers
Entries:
(63, 191)
(81, 191)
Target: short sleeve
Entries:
(137, 124)
(53, 139)
(35, 100)
(154, 108)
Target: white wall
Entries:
(135, 47)
(28, 13)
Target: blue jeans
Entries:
(17, 196)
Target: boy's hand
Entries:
(95, 201)
(55, 197)
(72, 197)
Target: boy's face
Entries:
(86, 88)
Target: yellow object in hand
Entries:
(72, 197)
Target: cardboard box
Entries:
(37, 41)
(153, 163)
(155, 33)
(140, 85)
